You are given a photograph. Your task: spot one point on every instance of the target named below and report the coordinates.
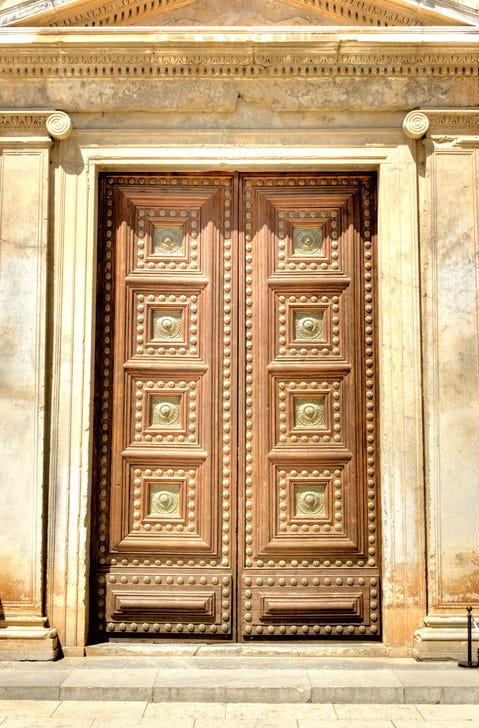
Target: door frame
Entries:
(74, 295)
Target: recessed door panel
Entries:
(235, 457)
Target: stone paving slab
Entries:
(350, 724)
(450, 712)
(347, 686)
(454, 686)
(215, 723)
(429, 724)
(139, 714)
(32, 684)
(286, 722)
(105, 709)
(170, 711)
(379, 723)
(374, 712)
(21, 708)
(51, 722)
(177, 722)
(277, 712)
(285, 686)
(98, 684)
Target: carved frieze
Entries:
(236, 54)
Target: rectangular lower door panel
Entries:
(310, 604)
(168, 602)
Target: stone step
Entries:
(241, 680)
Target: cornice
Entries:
(237, 53)
(35, 122)
(68, 13)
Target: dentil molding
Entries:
(133, 53)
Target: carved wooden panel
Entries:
(308, 490)
(166, 479)
(190, 265)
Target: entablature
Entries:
(238, 53)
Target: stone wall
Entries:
(450, 257)
(286, 105)
(24, 199)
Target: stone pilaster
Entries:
(25, 137)
(450, 294)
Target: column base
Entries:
(444, 638)
(28, 643)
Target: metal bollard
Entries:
(469, 662)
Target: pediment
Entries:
(236, 13)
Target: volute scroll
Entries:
(59, 125)
(34, 122)
(415, 124)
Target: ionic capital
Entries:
(415, 124)
(35, 124)
(59, 125)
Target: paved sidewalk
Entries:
(235, 691)
(141, 714)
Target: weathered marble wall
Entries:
(450, 254)
(23, 310)
(22, 372)
(281, 97)
(135, 121)
(452, 374)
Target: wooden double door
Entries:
(236, 493)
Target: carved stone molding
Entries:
(415, 125)
(439, 122)
(442, 639)
(133, 53)
(28, 643)
(57, 124)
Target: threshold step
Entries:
(240, 679)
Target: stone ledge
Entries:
(241, 680)
(28, 643)
(442, 642)
(246, 649)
